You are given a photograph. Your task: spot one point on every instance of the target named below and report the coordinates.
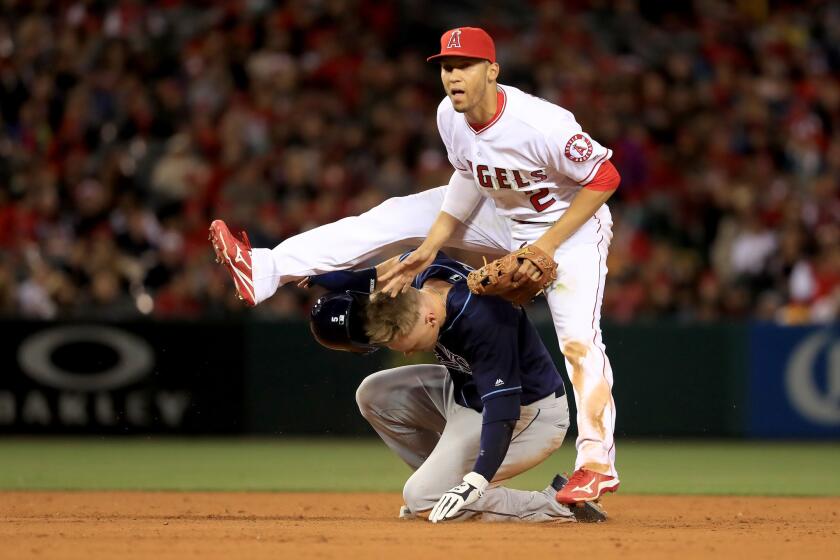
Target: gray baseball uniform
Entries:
(413, 410)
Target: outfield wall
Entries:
(272, 378)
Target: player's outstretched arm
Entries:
(364, 280)
(581, 209)
(502, 413)
(583, 206)
(398, 278)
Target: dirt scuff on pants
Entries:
(596, 389)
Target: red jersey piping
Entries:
(501, 103)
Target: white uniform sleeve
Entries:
(462, 196)
(573, 153)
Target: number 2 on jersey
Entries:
(537, 204)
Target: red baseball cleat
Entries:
(586, 486)
(584, 512)
(236, 256)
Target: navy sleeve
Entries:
(492, 350)
(356, 280)
(495, 441)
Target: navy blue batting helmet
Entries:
(337, 321)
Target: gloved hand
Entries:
(464, 494)
(497, 278)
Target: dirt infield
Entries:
(94, 525)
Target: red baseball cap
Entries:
(468, 42)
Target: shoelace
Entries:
(576, 478)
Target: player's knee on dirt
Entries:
(419, 495)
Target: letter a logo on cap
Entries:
(454, 40)
(466, 42)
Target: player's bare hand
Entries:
(399, 278)
(304, 283)
(526, 270)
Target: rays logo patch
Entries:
(451, 360)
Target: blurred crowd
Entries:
(126, 126)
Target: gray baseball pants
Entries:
(413, 410)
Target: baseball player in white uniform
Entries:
(547, 181)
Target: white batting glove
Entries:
(462, 495)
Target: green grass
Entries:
(348, 465)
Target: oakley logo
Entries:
(134, 358)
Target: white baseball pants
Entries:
(575, 302)
(381, 231)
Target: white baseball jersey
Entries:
(532, 158)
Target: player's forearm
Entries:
(399, 277)
(499, 419)
(356, 280)
(363, 280)
(441, 230)
(495, 441)
(583, 207)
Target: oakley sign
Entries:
(88, 376)
(135, 358)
